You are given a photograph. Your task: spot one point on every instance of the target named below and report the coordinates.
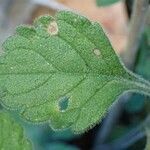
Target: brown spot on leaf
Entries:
(53, 28)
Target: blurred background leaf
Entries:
(106, 2)
(136, 104)
(117, 132)
(143, 60)
(60, 146)
(142, 67)
(148, 138)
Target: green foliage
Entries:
(142, 68)
(137, 102)
(63, 70)
(42, 136)
(117, 132)
(11, 134)
(143, 61)
(148, 137)
(62, 135)
(106, 2)
(60, 146)
(135, 99)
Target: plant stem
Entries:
(138, 18)
(141, 85)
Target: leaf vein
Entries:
(80, 108)
(33, 89)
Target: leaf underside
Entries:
(66, 59)
(11, 134)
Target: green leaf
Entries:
(65, 71)
(11, 134)
(106, 2)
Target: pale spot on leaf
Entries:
(53, 28)
(97, 52)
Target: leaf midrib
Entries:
(68, 74)
(47, 79)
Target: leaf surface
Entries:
(62, 70)
(11, 134)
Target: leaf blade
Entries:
(11, 134)
(66, 56)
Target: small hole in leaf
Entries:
(53, 28)
(63, 103)
(97, 52)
